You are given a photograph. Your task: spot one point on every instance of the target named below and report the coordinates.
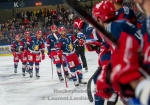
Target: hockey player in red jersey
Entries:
(17, 49)
(125, 59)
(141, 85)
(35, 45)
(104, 53)
(52, 40)
(67, 51)
(24, 53)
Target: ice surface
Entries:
(18, 90)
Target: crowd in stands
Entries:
(35, 20)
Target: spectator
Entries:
(25, 15)
(46, 21)
(25, 22)
(45, 12)
(36, 21)
(40, 15)
(40, 25)
(31, 15)
(28, 15)
(33, 20)
(37, 15)
(70, 16)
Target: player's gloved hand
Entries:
(93, 46)
(81, 42)
(60, 53)
(43, 56)
(49, 55)
(103, 89)
(89, 48)
(78, 23)
(14, 53)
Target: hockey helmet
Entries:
(53, 27)
(27, 33)
(61, 29)
(17, 37)
(104, 10)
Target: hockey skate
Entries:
(31, 75)
(82, 82)
(23, 73)
(61, 78)
(76, 83)
(86, 69)
(69, 77)
(37, 75)
(15, 70)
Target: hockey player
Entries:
(141, 85)
(52, 40)
(125, 59)
(24, 54)
(80, 45)
(35, 47)
(68, 51)
(104, 53)
(16, 49)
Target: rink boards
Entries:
(5, 50)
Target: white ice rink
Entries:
(18, 90)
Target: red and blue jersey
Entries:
(124, 27)
(24, 43)
(17, 46)
(126, 13)
(66, 44)
(92, 33)
(51, 41)
(125, 60)
(105, 52)
(35, 45)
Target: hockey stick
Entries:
(74, 4)
(89, 93)
(52, 67)
(61, 58)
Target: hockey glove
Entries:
(78, 23)
(14, 54)
(93, 46)
(104, 89)
(43, 56)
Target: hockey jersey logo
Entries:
(70, 47)
(126, 10)
(36, 47)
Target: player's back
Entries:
(122, 27)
